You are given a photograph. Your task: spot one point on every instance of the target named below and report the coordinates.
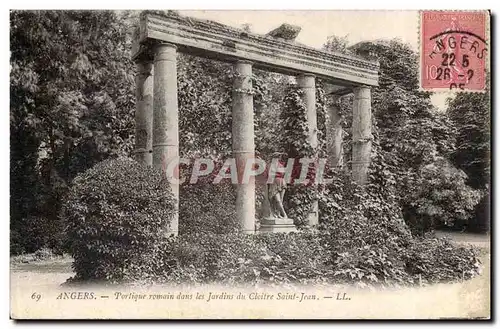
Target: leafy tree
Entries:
(407, 124)
(438, 194)
(470, 112)
(72, 103)
(337, 44)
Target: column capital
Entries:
(362, 91)
(164, 51)
(244, 61)
(306, 75)
(163, 44)
(243, 77)
(306, 80)
(361, 87)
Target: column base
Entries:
(277, 225)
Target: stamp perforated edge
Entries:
(447, 91)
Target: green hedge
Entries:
(115, 218)
(314, 257)
(207, 207)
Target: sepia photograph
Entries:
(250, 164)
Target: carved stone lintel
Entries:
(276, 53)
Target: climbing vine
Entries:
(321, 105)
(300, 197)
(261, 97)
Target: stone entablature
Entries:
(230, 44)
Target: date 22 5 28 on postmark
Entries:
(453, 50)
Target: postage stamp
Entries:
(454, 50)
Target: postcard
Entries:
(201, 164)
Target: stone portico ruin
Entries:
(161, 35)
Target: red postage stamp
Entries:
(454, 50)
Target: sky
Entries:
(316, 26)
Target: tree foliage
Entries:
(72, 103)
(438, 195)
(470, 113)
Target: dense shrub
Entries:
(362, 239)
(116, 215)
(41, 255)
(39, 233)
(311, 257)
(237, 258)
(435, 260)
(206, 207)
(438, 195)
(298, 200)
(355, 211)
(424, 261)
(370, 243)
(364, 232)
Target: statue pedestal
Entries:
(277, 225)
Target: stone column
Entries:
(334, 131)
(244, 144)
(166, 118)
(144, 113)
(361, 134)
(307, 83)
